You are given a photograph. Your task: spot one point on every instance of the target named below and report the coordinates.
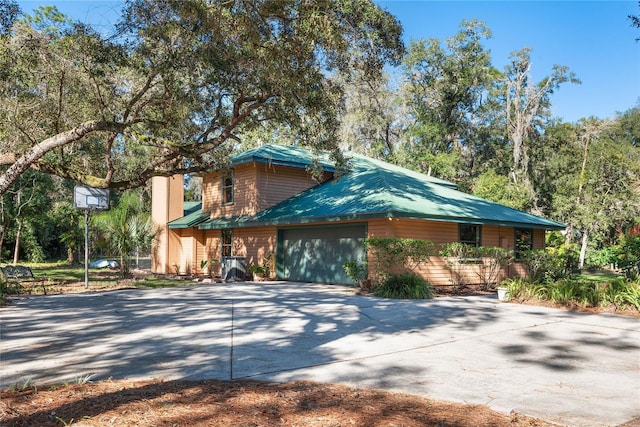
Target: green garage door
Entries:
(316, 254)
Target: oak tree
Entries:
(178, 83)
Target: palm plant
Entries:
(126, 228)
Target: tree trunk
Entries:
(583, 248)
(16, 250)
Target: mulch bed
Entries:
(238, 403)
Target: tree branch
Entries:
(39, 150)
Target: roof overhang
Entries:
(252, 221)
(193, 217)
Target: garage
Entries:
(316, 254)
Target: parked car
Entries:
(105, 263)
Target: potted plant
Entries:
(258, 272)
(503, 293)
(508, 288)
(204, 267)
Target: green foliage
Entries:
(177, 81)
(485, 262)
(257, 269)
(621, 292)
(626, 255)
(125, 228)
(501, 189)
(517, 287)
(391, 253)
(551, 263)
(356, 271)
(445, 84)
(404, 286)
(457, 257)
(493, 259)
(9, 11)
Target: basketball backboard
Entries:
(90, 198)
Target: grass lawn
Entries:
(599, 276)
(64, 278)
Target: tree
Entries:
(500, 189)
(446, 85)
(179, 84)
(635, 21)
(598, 193)
(9, 12)
(374, 119)
(527, 102)
(21, 208)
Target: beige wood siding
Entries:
(257, 186)
(185, 260)
(200, 252)
(538, 239)
(439, 232)
(255, 243)
(244, 193)
(166, 205)
(278, 183)
(212, 249)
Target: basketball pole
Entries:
(86, 248)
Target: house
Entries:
(267, 206)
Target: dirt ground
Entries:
(236, 403)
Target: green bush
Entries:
(355, 271)
(390, 252)
(626, 256)
(404, 286)
(621, 292)
(550, 264)
(489, 262)
(518, 288)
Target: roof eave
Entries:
(299, 165)
(249, 222)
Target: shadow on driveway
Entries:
(580, 369)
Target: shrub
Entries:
(457, 256)
(355, 271)
(518, 288)
(404, 286)
(550, 264)
(405, 253)
(489, 262)
(631, 295)
(493, 260)
(626, 256)
(622, 293)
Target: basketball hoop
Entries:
(89, 199)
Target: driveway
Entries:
(572, 368)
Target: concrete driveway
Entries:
(571, 368)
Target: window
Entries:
(524, 241)
(469, 234)
(227, 242)
(227, 188)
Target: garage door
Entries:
(316, 254)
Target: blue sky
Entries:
(593, 38)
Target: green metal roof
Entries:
(284, 155)
(376, 189)
(193, 215)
